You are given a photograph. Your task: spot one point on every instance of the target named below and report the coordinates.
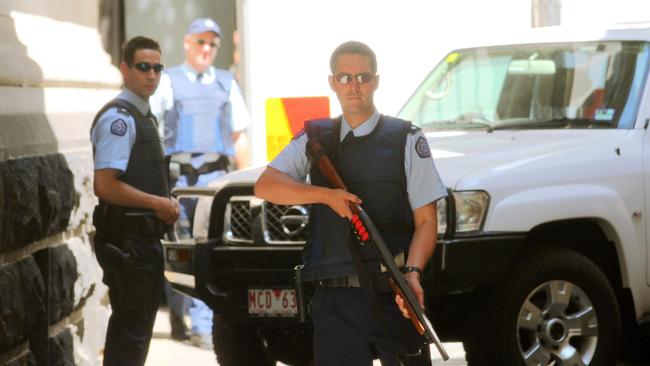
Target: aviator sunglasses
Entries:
(345, 78)
(145, 67)
(202, 42)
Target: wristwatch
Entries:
(408, 269)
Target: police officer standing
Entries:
(387, 166)
(131, 182)
(204, 119)
(202, 108)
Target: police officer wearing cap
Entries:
(202, 107)
(387, 166)
(131, 182)
(204, 121)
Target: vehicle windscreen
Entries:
(562, 85)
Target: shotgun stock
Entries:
(368, 233)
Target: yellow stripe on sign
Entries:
(278, 132)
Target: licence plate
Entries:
(272, 302)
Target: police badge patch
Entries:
(422, 148)
(118, 127)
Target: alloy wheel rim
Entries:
(557, 326)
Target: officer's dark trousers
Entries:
(347, 330)
(135, 287)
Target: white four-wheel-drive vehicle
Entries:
(542, 256)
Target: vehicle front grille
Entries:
(280, 224)
(284, 224)
(238, 220)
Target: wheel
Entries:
(237, 344)
(556, 307)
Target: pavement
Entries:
(167, 352)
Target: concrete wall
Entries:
(54, 76)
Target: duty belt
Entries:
(115, 223)
(145, 226)
(346, 281)
(221, 164)
(378, 279)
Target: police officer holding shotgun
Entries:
(387, 167)
(131, 182)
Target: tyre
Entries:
(237, 344)
(556, 307)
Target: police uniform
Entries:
(200, 112)
(127, 241)
(388, 164)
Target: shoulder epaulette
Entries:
(123, 111)
(414, 129)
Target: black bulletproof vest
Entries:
(372, 167)
(148, 168)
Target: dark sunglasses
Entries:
(145, 67)
(202, 42)
(364, 77)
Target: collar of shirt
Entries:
(207, 78)
(363, 129)
(131, 97)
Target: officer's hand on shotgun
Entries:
(339, 200)
(413, 279)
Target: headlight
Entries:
(471, 207)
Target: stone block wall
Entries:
(54, 76)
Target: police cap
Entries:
(203, 25)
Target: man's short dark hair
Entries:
(137, 43)
(354, 47)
